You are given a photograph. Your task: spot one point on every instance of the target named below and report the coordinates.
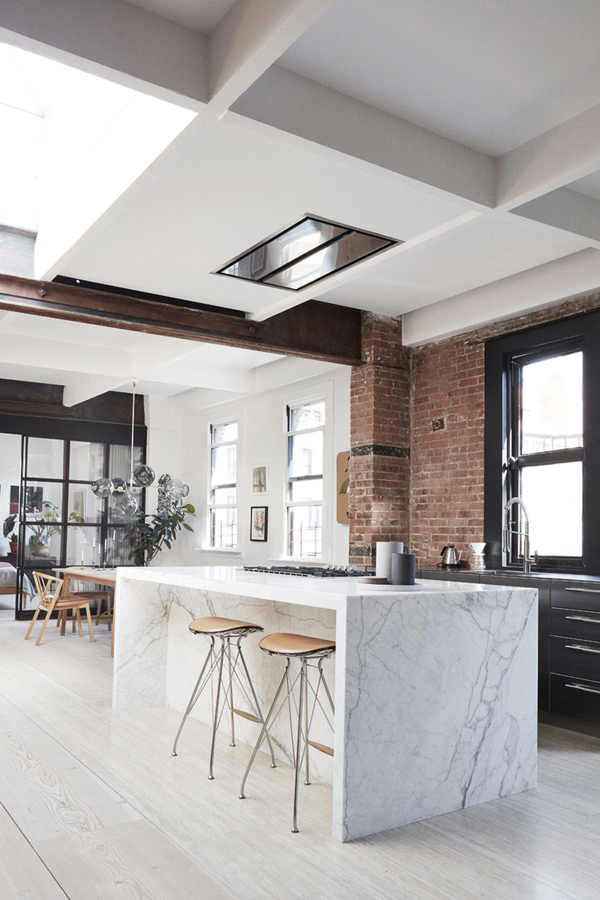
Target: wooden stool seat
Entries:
(295, 645)
(216, 625)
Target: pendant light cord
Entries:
(132, 432)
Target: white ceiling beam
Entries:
(550, 161)
(114, 40)
(250, 38)
(290, 370)
(533, 289)
(319, 115)
(7, 318)
(85, 387)
(38, 352)
(192, 375)
(201, 398)
(566, 210)
(150, 351)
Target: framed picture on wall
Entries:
(259, 480)
(259, 523)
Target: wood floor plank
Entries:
(47, 791)
(22, 873)
(131, 860)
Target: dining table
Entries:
(91, 575)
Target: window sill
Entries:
(224, 550)
(306, 560)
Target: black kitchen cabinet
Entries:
(575, 650)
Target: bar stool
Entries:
(307, 650)
(228, 630)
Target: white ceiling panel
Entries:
(233, 188)
(462, 259)
(487, 74)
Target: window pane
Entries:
(553, 497)
(223, 496)
(45, 458)
(220, 434)
(81, 550)
(87, 461)
(42, 543)
(311, 489)
(223, 527)
(309, 415)
(552, 415)
(120, 457)
(223, 465)
(43, 500)
(305, 454)
(83, 504)
(304, 531)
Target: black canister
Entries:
(403, 568)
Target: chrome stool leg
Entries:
(216, 716)
(235, 666)
(264, 731)
(195, 694)
(291, 646)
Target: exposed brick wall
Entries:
(379, 438)
(447, 464)
(447, 378)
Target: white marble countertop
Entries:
(328, 593)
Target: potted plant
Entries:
(43, 528)
(9, 532)
(146, 539)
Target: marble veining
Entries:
(435, 691)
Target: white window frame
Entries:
(289, 504)
(218, 423)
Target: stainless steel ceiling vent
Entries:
(304, 253)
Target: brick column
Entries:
(379, 440)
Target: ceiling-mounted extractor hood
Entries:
(304, 253)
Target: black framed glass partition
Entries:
(61, 521)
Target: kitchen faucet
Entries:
(507, 530)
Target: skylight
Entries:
(68, 136)
(305, 253)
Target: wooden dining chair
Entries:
(49, 589)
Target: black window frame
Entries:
(501, 356)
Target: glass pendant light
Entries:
(121, 492)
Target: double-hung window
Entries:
(223, 485)
(305, 424)
(545, 443)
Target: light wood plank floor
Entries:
(92, 805)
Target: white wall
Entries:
(178, 443)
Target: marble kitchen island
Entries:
(435, 691)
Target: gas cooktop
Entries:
(308, 571)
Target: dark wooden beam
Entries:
(313, 330)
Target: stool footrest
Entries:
(321, 747)
(246, 715)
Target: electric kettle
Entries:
(450, 557)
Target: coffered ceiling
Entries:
(470, 131)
